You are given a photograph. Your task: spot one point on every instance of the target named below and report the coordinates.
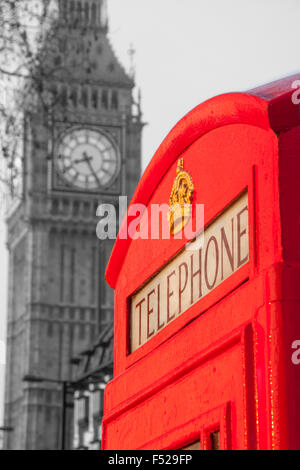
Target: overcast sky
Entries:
(190, 50)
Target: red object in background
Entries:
(224, 367)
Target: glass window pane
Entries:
(215, 440)
(194, 446)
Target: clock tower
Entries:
(81, 150)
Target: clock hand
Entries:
(87, 160)
(79, 160)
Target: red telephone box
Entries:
(206, 340)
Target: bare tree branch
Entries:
(29, 44)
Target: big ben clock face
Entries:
(87, 159)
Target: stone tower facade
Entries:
(83, 151)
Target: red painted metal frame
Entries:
(226, 361)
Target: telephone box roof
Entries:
(268, 107)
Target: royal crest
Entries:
(180, 200)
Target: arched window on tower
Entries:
(79, 11)
(104, 99)
(60, 7)
(84, 98)
(72, 11)
(114, 100)
(94, 13)
(64, 9)
(73, 97)
(87, 13)
(95, 99)
(55, 207)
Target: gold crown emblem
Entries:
(180, 200)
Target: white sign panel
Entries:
(192, 274)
